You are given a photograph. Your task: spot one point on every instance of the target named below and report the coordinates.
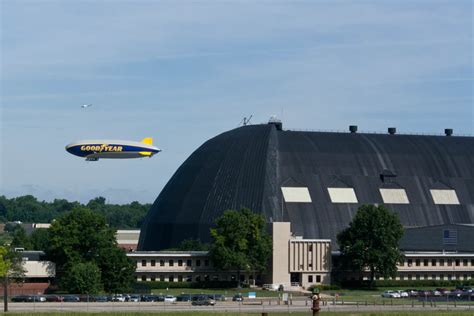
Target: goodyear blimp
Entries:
(93, 150)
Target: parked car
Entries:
(39, 298)
(118, 298)
(464, 288)
(443, 290)
(391, 294)
(133, 298)
(184, 298)
(238, 298)
(437, 293)
(71, 298)
(54, 298)
(101, 298)
(403, 294)
(413, 292)
(22, 298)
(170, 299)
(203, 302)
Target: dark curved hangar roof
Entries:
(316, 180)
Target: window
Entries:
(472, 262)
(410, 262)
(180, 278)
(153, 263)
(417, 262)
(198, 263)
(143, 263)
(441, 262)
(171, 262)
(162, 263)
(342, 195)
(464, 262)
(433, 262)
(441, 276)
(425, 277)
(189, 263)
(310, 279)
(450, 262)
(425, 262)
(162, 278)
(206, 277)
(409, 277)
(143, 277)
(433, 277)
(171, 278)
(417, 276)
(446, 197)
(215, 277)
(189, 278)
(394, 196)
(180, 263)
(310, 247)
(318, 279)
(198, 278)
(153, 279)
(206, 263)
(296, 194)
(458, 262)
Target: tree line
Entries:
(28, 209)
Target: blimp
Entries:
(94, 150)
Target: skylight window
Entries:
(296, 194)
(394, 196)
(444, 197)
(342, 195)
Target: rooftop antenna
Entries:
(245, 121)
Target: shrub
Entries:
(148, 285)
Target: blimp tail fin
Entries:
(147, 140)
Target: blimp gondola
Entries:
(94, 150)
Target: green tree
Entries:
(11, 269)
(240, 242)
(82, 236)
(371, 242)
(20, 239)
(39, 239)
(82, 278)
(192, 244)
(117, 270)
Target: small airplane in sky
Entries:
(85, 106)
(92, 150)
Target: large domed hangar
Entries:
(315, 180)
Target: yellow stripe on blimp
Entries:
(145, 153)
(147, 140)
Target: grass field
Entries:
(440, 313)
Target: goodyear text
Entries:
(101, 148)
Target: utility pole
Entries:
(5, 293)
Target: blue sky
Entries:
(185, 72)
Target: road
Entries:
(297, 306)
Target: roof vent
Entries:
(448, 131)
(392, 130)
(353, 128)
(387, 174)
(275, 121)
